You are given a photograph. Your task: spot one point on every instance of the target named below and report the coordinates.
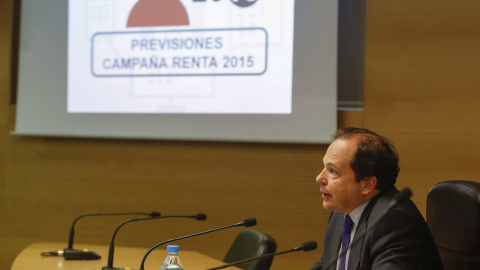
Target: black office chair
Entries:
(453, 216)
(249, 244)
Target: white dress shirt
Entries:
(355, 216)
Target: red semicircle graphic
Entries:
(158, 13)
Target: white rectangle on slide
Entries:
(180, 53)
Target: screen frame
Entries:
(304, 125)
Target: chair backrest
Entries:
(453, 216)
(249, 244)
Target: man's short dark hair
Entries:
(375, 156)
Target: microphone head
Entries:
(249, 222)
(403, 195)
(154, 214)
(308, 246)
(200, 217)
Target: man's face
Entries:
(340, 191)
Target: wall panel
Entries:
(422, 88)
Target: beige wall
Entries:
(422, 90)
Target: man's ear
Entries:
(368, 184)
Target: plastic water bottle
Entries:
(172, 261)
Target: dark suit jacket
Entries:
(401, 240)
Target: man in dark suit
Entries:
(357, 184)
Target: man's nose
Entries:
(321, 179)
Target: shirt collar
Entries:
(356, 214)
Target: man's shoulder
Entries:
(405, 208)
(403, 218)
(376, 207)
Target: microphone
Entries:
(403, 195)
(246, 223)
(84, 254)
(111, 250)
(307, 246)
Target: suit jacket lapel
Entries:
(338, 236)
(333, 238)
(356, 251)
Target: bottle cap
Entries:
(172, 248)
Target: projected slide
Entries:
(180, 56)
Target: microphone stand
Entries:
(305, 247)
(112, 248)
(69, 253)
(247, 223)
